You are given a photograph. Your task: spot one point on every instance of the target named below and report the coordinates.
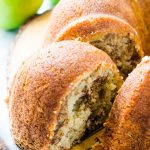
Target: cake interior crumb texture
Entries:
(121, 48)
(87, 107)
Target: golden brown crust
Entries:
(86, 28)
(70, 11)
(95, 24)
(140, 24)
(40, 86)
(145, 8)
(28, 40)
(128, 127)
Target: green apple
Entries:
(14, 13)
(54, 2)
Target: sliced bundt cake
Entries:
(110, 25)
(61, 94)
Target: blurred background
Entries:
(12, 18)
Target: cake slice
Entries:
(128, 126)
(61, 95)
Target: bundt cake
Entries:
(28, 40)
(128, 127)
(110, 25)
(60, 95)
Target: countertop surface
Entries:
(6, 42)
